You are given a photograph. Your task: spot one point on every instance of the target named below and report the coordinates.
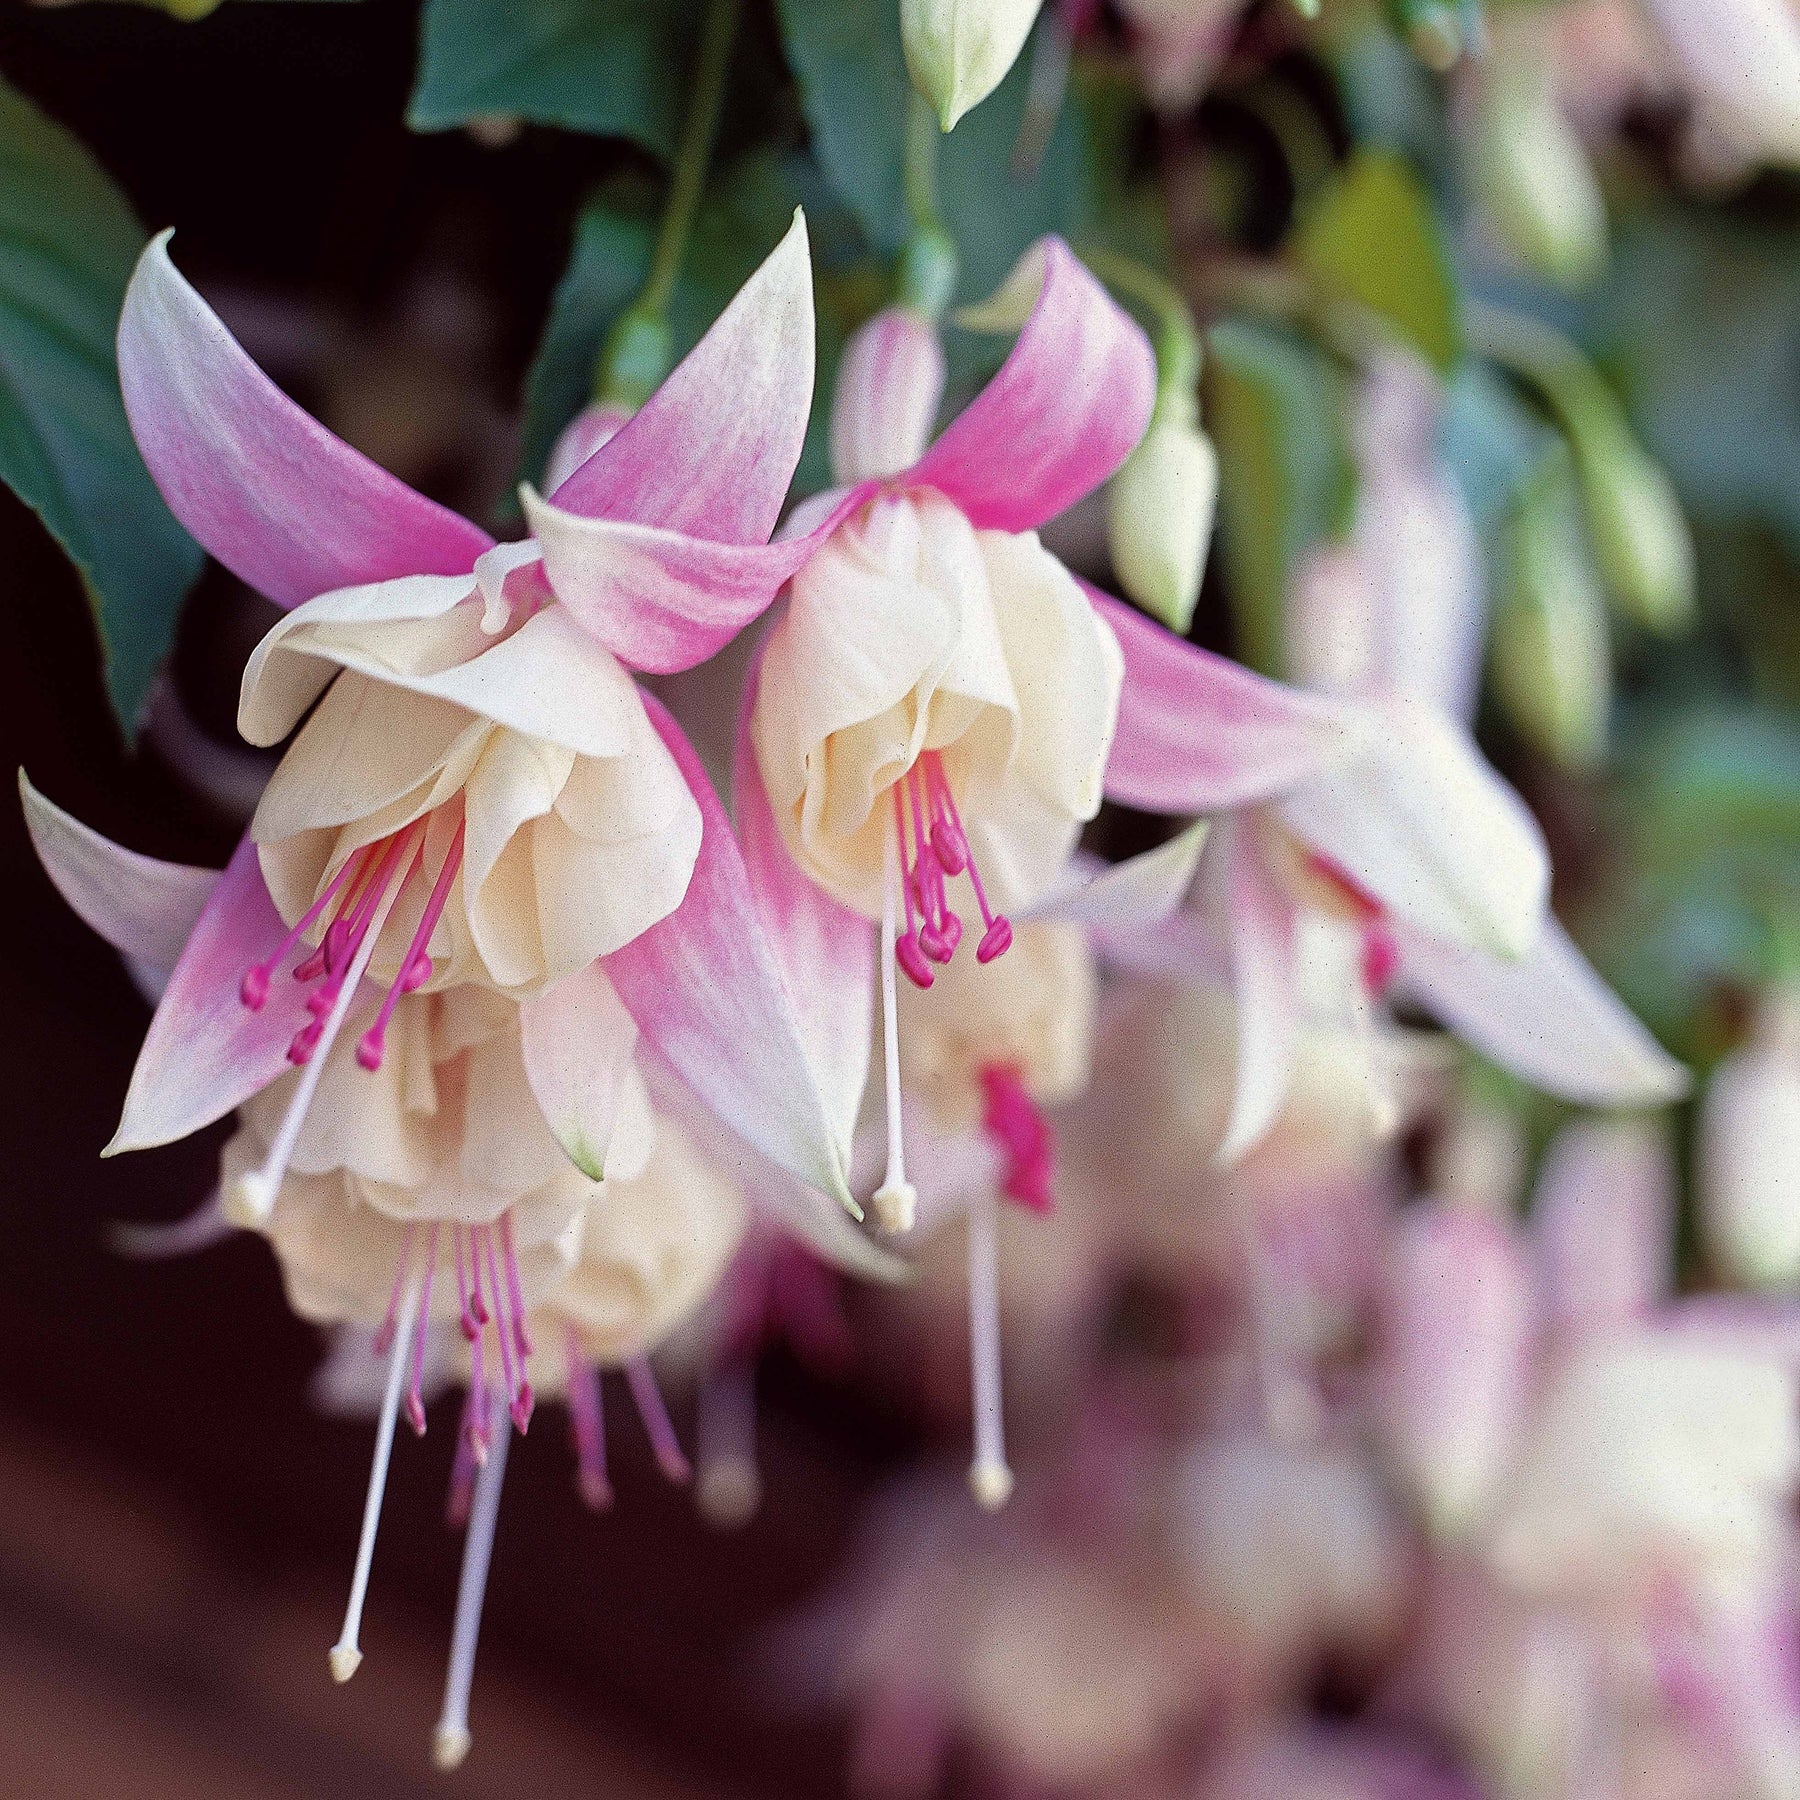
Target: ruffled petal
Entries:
(1067, 407)
(706, 989)
(1197, 734)
(713, 450)
(579, 1044)
(826, 951)
(143, 908)
(660, 600)
(1547, 1017)
(264, 486)
(206, 1052)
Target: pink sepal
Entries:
(206, 1052)
(261, 484)
(706, 988)
(1198, 734)
(712, 452)
(1067, 407)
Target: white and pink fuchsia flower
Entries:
(480, 792)
(940, 705)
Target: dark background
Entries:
(176, 1523)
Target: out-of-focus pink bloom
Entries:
(1460, 1325)
(1407, 868)
(1179, 44)
(594, 425)
(1740, 59)
(1749, 1160)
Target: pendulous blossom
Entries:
(940, 705)
(481, 794)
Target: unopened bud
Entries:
(958, 51)
(1552, 656)
(1434, 31)
(1640, 534)
(1160, 518)
(1749, 1170)
(889, 384)
(581, 437)
(1537, 186)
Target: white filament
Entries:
(896, 1200)
(450, 1742)
(346, 1655)
(253, 1195)
(989, 1475)
(1384, 1106)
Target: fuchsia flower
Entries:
(940, 703)
(481, 792)
(1409, 869)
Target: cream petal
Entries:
(506, 1144)
(1066, 668)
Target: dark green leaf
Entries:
(1371, 238)
(68, 243)
(618, 68)
(1275, 408)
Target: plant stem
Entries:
(639, 348)
(693, 155)
(928, 265)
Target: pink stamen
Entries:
(522, 1399)
(415, 966)
(587, 1426)
(1024, 1138)
(466, 1318)
(462, 1467)
(514, 1289)
(415, 1398)
(997, 931)
(657, 1423)
(1356, 897)
(254, 989)
(946, 829)
(1380, 959)
(384, 1332)
(477, 1422)
(906, 948)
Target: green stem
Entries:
(1541, 357)
(928, 265)
(639, 348)
(1177, 337)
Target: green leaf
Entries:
(855, 92)
(617, 68)
(68, 244)
(1275, 407)
(1371, 239)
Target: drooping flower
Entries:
(940, 702)
(481, 793)
(1407, 868)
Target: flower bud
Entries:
(581, 437)
(1750, 1152)
(1551, 654)
(1160, 518)
(1640, 535)
(959, 51)
(1741, 58)
(888, 387)
(1537, 187)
